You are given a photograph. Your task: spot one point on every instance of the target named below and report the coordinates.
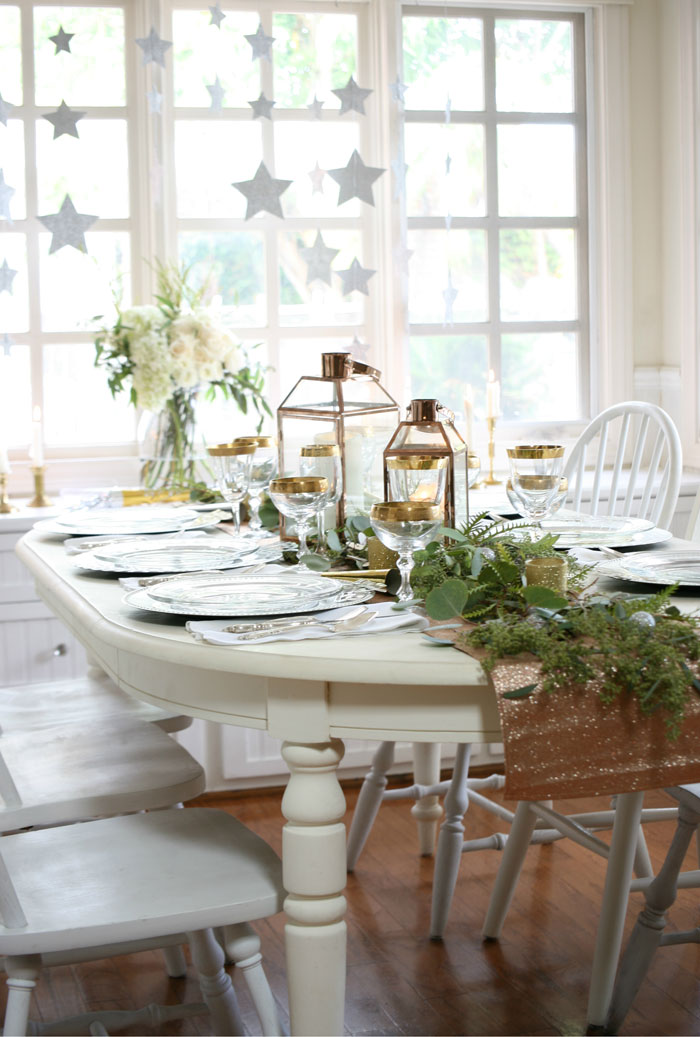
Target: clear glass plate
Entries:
(175, 555)
(89, 561)
(247, 592)
(567, 522)
(142, 599)
(577, 530)
(124, 521)
(662, 567)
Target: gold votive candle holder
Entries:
(547, 572)
(39, 500)
(379, 556)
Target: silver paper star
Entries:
(398, 90)
(64, 120)
(261, 43)
(449, 295)
(217, 16)
(315, 107)
(262, 108)
(319, 258)
(316, 176)
(7, 276)
(399, 169)
(402, 255)
(355, 278)
(7, 344)
(217, 94)
(62, 40)
(5, 109)
(352, 97)
(355, 180)
(153, 48)
(6, 193)
(67, 227)
(155, 100)
(448, 163)
(359, 349)
(263, 193)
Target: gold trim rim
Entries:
(229, 450)
(406, 511)
(563, 486)
(256, 441)
(416, 462)
(534, 451)
(299, 484)
(321, 450)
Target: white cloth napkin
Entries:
(386, 619)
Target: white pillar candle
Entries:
(493, 397)
(37, 452)
(354, 482)
(469, 415)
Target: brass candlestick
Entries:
(40, 500)
(5, 507)
(490, 480)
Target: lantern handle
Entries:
(443, 413)
(357, 367)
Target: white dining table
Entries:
(311, 694)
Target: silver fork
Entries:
(354, 619)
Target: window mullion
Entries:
(31, 188)
(492, 223)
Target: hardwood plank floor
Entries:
(532, 981)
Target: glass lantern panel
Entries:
(318, 394)
(297, 432)
(461, 496)
(424, 435)
(365, 441)
(364, 393)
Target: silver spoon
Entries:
(358, 618)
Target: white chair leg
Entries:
(646, 935)
(242, 946)
(618, 876)
(427, 811)
(215, 983)
(175, 964)
(450, 842)
(509, 871)
(22, 974)
(368, 802)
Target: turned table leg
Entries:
(427, 811)
(313, 864)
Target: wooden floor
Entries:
(533, 981)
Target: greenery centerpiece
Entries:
(166, 355)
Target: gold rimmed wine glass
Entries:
(232, 462)
(299, 498)
(263, 470)
(323, 460)
(535, 476)
(405, 526)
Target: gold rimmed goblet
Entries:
(263, 469)
(299, 498)
(405, 526)
(323, 460)
(535, 476)
(233, 463)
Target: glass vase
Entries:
(167, 450)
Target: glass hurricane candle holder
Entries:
(404, 527)
(418, 477)
(263, 469)
(300, 498)
(323, 460)
(535, 475)
(232, 467)
(558, 500)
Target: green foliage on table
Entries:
(346, 546)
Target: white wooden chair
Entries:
(124, 884)
(636, 455)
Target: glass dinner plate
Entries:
(352, 595)
(575, 529)
(658, 567)
(254, 593)
(90, 562)
(113, 521)
(175, 555)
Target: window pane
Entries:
(218, 421)
(540, 377)
(313, 54)
(209, 158)
(78, 406)
(93, 169)
(12, 166)
(15, 397)
(299, 147)
(534, 62)
(430, 189)
(14, 300)
(93, 72)
(443, 57)
(201, 52)
(76, 287)
(441, 367)
(318, 303)
(538, 275)
(233, 266)
(536, 171)
(437, 253)
(10, 55)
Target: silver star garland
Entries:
(448, 164)
(355, 278)
(355, 180)
(399, 169)
(263, 193)
(217, 94)
(154, 48)
(315, 107)
(5, 109)
(6, 193)
(317, 176)
(64, 120)
(155, 100)
(67, 227)
(7, 276)
(7, 344)
(398, 90)
(352, 97)
(448, 110)
(261, 43)
(319, 258)
(359, 349)
(62, 40)
(449, 295)
(402, 255)
(217, 16)
(262, 108)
